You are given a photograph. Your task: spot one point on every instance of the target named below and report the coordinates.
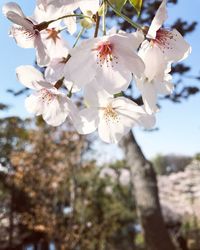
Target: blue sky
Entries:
(179, 124)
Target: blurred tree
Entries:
(159, 164)
(166, 164)
(197, 157)
(48, 194)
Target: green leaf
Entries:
(118, 4)
(137, 4)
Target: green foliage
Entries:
(13, 134)
(137, 4)
(106, 210)
(160, 164)
(197, 157)
(118, 4)
(166, 164)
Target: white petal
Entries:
(113, 77)
(55, 49)
(29, 77)
(166, 87)
(132, 62)
(76, 72)
(124, 48)
(177, 48)
(92, 6)
(132, 114)
(86, 120)
(111, 131)
(95, 95)
(128, 114)
(12, 7)
(34, 104)
(24, 38)
(71, 86)
(55, 70)
(56, 112)
(153, 59)
(41, 52)
(124, 40)
(159, 19)
(149, 95)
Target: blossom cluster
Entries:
(101, 68)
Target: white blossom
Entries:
(110, 59)
(113, 117)
(25, 32)
(156, 79)
(170, 42)
(47, 100)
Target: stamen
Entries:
(105, 54)
(47, 96)
(163, 39)
(28, 34)
(110, 114)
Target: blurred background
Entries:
(60, 190)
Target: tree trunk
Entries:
(146, 196)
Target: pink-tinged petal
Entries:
(119, 116)
(124, 48)
(92, 6)
(55, 70)
(95, 95)
(176, 48)
(132, 114)
(165, 88)
(159, 19)
(56, 46)
(56, 111)
(111, 131)
(71, 86)
(24, 23)
(24, 38)
(127, 41)
(153, 59)
(132, 63)
(41, 52)
(74, 70)
(34, 104)
(12, 7)
(86, 120)
(113, 77)
(149, 95)
(30, 77)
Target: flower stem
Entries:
(97, 19)
(79, 36)
(135, 25)
(70, 92)
(59, 83)
(44, 25)
(104, 17)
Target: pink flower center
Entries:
(46, 95)
(164, 39)
(105, 53)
